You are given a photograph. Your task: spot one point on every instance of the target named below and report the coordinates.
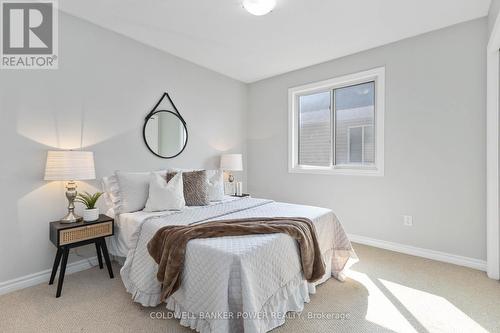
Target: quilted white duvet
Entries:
(236, 284)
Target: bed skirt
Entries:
(289, 298)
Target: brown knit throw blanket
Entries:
(168, 245)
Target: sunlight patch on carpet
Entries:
(434, 312)
(380, 309)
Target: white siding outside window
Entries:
(360, 148)
(315, 141)
(337, 126)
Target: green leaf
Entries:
(87, 199)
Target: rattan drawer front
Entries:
(74, 235)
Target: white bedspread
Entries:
(126, 225)
(235, 284)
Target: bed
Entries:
(231, 284)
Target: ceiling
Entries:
(222, 36)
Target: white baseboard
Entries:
(44, 276)
(419, 252)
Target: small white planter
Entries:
(90, 214)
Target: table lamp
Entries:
(70, 166)
(231, 162)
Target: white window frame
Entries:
(378, 76)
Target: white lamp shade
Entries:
(70, 165)
(231, 162)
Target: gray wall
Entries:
(434, 144)
(492, 16)
(105, 86)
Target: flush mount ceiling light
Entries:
(259, 7)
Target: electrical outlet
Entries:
(408, 220)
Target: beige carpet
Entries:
(386, 292)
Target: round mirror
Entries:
(165, 134)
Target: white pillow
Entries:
(111, 195)
(163, 195)
(133, 190)
(215, 185)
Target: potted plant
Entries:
(91, 213)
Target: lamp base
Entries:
(71, 193)
(71, 217)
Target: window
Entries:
(315, 142)
(337, 126)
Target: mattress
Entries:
(233, 284)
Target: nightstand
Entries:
(66, 236)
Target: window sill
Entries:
(343, 170)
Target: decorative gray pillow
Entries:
(195, 187)
(133, 189)
(215, 179)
